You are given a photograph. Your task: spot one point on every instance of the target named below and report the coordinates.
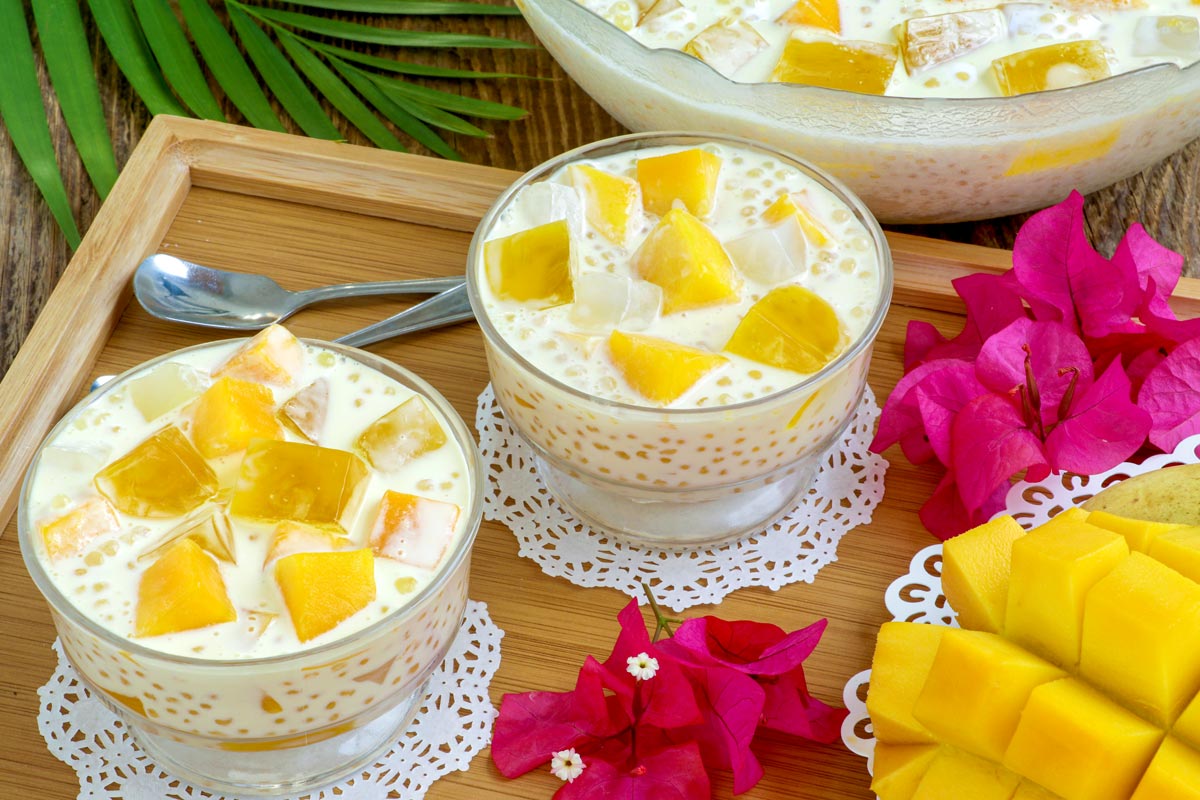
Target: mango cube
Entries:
(299, 482)
(898, 769)
(532, 266)
(689, 176)
(928, 41)
(1187, 727)
(305, 411)
(1054, 66)
(210, 530)
(165, 388)
(230, 413)
(850, 65)
(904, 654)
(181, 591)
(273, 355)
(787, 208)
(1027, 790)
(1076, 742)
(824, 14)
(413, 530)
(687, 261)
(1141, 638)
(977, 686)
(321, 590)
(1140, 534)
(408, 431)
(962, 776)
(658, 369)
(726, 45)
(975, 570)
(1179, 549)
(611, 203)
(1053, 568)
(791, 328)
(163, 476)
(69, 534)
(296, 537)
(1173, 774)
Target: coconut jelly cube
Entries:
(770, 255)
(165, 388)
(69, 534)
(300, 482)
(611, 203)
(824, 14)
(230, 413)
(667, 15)
(1167, 36)
(1049, 22)
(850, 65)
(963, 776)
(658, 369)
(683, 257)
(788, 208)
(899, 768)
(1179, 549)
(162, 476)
(790, 328)
(904, 653)
(687, 176)
(306, 410)
(321, 590)
(413, 530)
(181, 591)
(1053, 66)
(1173, 774)
(532, 266)
(1139, 534)
(408, 431)
(726, 45)
(605, 300)
(928, 41)
(298, 537)
(548, 201)
(976, 566)
(211, 530)
(273, 356)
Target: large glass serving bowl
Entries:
(911, 160)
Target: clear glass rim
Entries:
(62, 605)
(658, 138)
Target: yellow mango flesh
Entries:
(689, 176)
(1053, 568)
(1187, 727)
(955, 775)
(898, 768)
(300, 482)
(273, 356)
(296, 537)
(163, 476)
(181, 591)
(785, 207)
(230, 413)
(904, 654)
(853, 66)
(1141, 638)
(532, 266)
(211, 531)
(412, 529)
(1032, 791)
(71, 533)
(610, 202)
(1078, 743)
(1054, 66)
(407, 432)
(1173, 774)
(321, 590)
(790, 328)
(824, 14)
(1179, 549)
(976, 566)
(687, 261)
(658, 369)
(1139, 533)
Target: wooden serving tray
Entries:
(311, 212)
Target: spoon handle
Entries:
(446, 308)
(410, 286)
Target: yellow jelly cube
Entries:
(165, 388)
(956, 775)
(1054, 66)
(727, 45)
(1076, 742)
(296, 537)
(1028, 790)
(299, 482)
(1053, 568)
(687, 261)
(853, 66)
(898, 769)
(210, 530)
(408, 431)
(790, 328)
(70, 533)
(689, 176)
(975, 570)
(610, 202)
(935, 39)
(305, 411)
(787, 207)
(1139, 533)
(532, 266)
(231, 413)
(824, 14)
(904, 653)
(977, 686)
(1173, 774)
(1179, 549)
(180, 591)
(660, 370)
(273, 355)
(413, 530)
(163, 476)
(1141, 638)
(321, 590)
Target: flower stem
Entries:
(661, 621)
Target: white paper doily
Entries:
(848, 486)
(452, 726)
(917, 595)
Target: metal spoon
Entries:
(176, 290)
(446, 308)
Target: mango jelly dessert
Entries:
(687, 176)
(210, 529)
(612, 203)
(1054, 66)
(1173, 774)
(897, 769)
(786, 207)
(823, 14)
(413, 530)
(726, 45)
(306, 410)
(71, 533)
(163, 476)
(272, 356)
(165, 388)
(904, 654)
(927, 41)
(853, 66)
(962, 776)
(791, 328)
(296, 537)
(299, 482)
(1179, 549)
(684, 258)
(976, 566)
(323, 589)
(230, 413)
(657, 369)
(407, 432)
(1140, 534)
(532, 266)
(180, 591)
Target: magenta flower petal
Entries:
(667, 699)
(755, 648)
(731, 703)
(1102, 428)
(945, 516)
(1057, 357)
(1157, 268)
(900, 422)
(672, 773)
(788, 707)
(920, 338)
(991, 444)
(1170, 395)
(940, 397)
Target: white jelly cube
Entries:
(622, 13)
(726, 46)
(667, 15)
(165, 388)
(1047, 23)
(546, 202)
(76, 459)
(604, 301)
(929, 41)
(645, 304)
(770, 255)
(1167, 36)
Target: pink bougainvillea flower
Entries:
(993, 442)
(1170, 395)
(667, 701)
(901, 423)
(1099, 428)
(945, 515)
(940, 397)
(675, 772)
(1157, 269)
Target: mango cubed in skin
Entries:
(689, 176)
(211, 530)
(165, 388)
(1173, 774)
(69, 534)
(1139, 533)
(407, 432)
(823, 14)
(181, 591)
(1179, 549)
(976, 566)
(301, 482)
(412, 529)
(532, 266)
(611, 203)
(273, 355)
(658, 369)
(977, 686)
(683, 257)
(1078, 743)
(1054, 66)
(230, 413)
(297, 537)
(904, 653)
(787, 207)
(321, 590)
(162, 476)
(1027, 790)
(792, 328)
(1141, 638)
(898, 768)
(306, 410)
(963, 776)
(1053, 569)
(935, 39)
(853, 66)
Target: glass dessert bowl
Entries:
(256, 553)
(679, 326)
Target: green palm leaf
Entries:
(128, 47)
(170, 46)
(356, 32)
(407, 68)
(408, 7)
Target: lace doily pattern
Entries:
(847, 488)
(452, 726)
